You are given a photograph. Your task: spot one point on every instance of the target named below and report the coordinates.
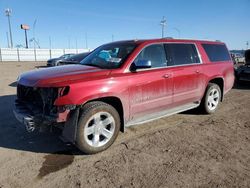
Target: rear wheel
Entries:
(98, 127)
(211, 100)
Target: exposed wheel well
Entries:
(117, 104)
(220, 83)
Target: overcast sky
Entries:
(70, 23)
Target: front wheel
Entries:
(211, 100)
(98, 127)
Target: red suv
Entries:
(122, 84)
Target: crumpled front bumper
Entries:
(27, 117)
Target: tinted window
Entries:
(216, 52)
(154, 53)
(181, 54)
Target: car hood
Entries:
(61, 75)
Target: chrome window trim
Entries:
(127, 70)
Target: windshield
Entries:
(109, 56)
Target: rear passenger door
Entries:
(184, 62)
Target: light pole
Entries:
(8, 12)
(7, 36)
(247, 43)
(163, 23)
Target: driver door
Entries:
(150, 90)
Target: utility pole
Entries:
(163, 24)
(112, 38)
(8, 12)
(247, 43)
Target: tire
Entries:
(98, 126)
(211, 99)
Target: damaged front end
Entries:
(34, 107)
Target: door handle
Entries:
(197, 71)
(166, 76)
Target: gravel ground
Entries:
(183, 150)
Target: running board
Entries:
(161, 114)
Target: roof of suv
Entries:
(140, 41)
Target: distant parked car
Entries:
(55, 61)
(243, 72)
(75, 59)
(238, 58)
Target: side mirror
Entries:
(142, 64)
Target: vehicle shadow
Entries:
(241, 85)
(195, 111)
(14, 136)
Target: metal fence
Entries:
(20, 54)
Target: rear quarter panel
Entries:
(212, 70)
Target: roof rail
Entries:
(168, 38)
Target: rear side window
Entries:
(181, 54)
(216, 52)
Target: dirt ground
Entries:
(183, 150)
